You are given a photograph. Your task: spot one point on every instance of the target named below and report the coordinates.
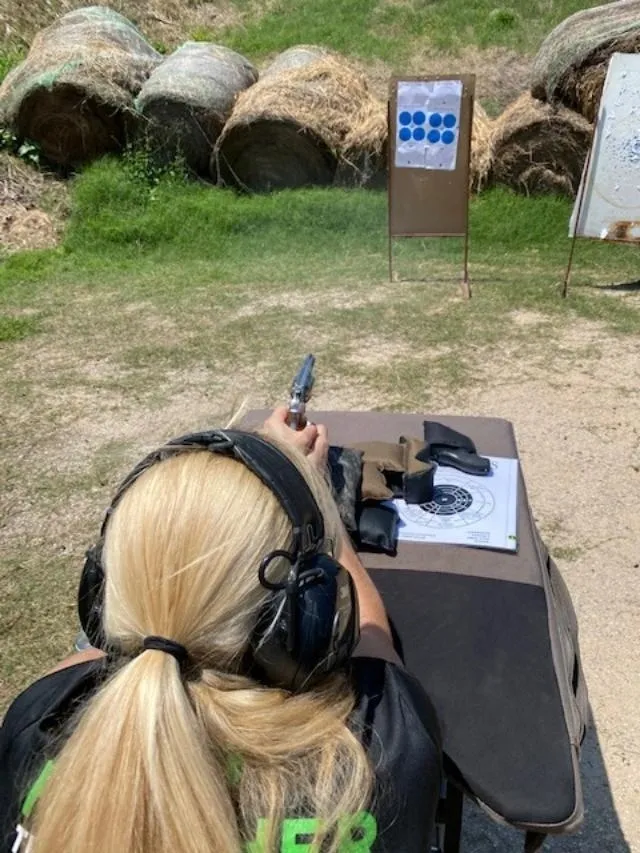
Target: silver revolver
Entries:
(300, 394)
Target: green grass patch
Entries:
(169, 241)
(17, 328)
(392, 31)
(10, 56)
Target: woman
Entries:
(196, 732)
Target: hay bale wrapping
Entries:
(294, 57)
(187, 99)
(572, 62)
(73, 94)
(295, 125)
(539, 148)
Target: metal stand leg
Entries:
(449, 821)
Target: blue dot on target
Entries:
(435, 119)
(404, 118)
(449, 120)
(419, 117)
(434, 136)
(419, 134)
(448, 136)
(405, 134)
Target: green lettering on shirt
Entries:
(36, 789)
(298, 834)
(259, 845)
(358, 833)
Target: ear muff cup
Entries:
(91, 597)
(325, 627)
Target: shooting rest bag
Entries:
(493, 638)
(393, 470)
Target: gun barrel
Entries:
(303, 382)
(301, 392)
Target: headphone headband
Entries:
(267, 462)
(309, 623)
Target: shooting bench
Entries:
(492, 636)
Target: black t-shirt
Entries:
(397, 722)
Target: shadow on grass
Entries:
(622, 287)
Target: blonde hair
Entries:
(159, 764)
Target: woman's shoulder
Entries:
(29, 731)
(387, 696)
(50, 696)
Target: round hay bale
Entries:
(481, 148)
(538, 148)
(73, 94)
(187, 99)
(572, 62)
(291, 128)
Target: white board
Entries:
(611, 183)
(428, 124)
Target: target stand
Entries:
(429, 153)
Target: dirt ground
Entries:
(579, 435)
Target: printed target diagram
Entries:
(428, 124)
(466, 509)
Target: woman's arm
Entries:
(376, 639)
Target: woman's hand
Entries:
(312, 441)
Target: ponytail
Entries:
(158, 763)
(137, 774)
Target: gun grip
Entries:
(296, 421)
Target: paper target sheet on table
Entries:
(466, 510)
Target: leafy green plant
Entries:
(26, 150)
(146, 166)
(201, 34)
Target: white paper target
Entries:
(610, 189)
(428, 124)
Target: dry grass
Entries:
(481, 147)
(33, 206)
(163, 21)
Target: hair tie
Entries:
(170, 647)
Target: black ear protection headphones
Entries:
(309, 624)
